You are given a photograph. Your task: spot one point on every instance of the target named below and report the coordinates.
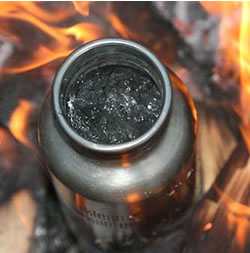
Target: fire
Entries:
(50, 40)
(238, 217)
(228, 47)
(234, 56)
(82, 7)
(245, 60)
(24, 207)
(121, 28)
(7, 149)
(233, 51)
(60, 41)
(18, 123)
(245, 71)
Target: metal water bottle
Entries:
(122, 196)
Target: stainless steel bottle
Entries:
(121, 197)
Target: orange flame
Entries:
(7, 149)
(241, 225)
(121, 28)
(237, 216)
(233, 49)
(23, 204)
(32, 9)
(228, 47)
(82, 7)
(245, 71)
(245, 60)
(60, 41)
(18, 123)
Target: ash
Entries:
(113, 104)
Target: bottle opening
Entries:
(111, 95)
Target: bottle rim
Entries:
(111, 148)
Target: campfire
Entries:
(205, 44)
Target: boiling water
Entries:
(113, 104)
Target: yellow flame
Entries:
(245, 71)
(228, 59)
(245, 59)
(233, 49)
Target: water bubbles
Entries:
(189, 174)
(103, 121)
(70, 103)
(131, 136)
(147, 194)
(171, 193)
(128, 88)
(113, 104)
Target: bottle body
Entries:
(124, 200)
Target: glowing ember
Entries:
(208, 226)
(133, 197)
(18, 123)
